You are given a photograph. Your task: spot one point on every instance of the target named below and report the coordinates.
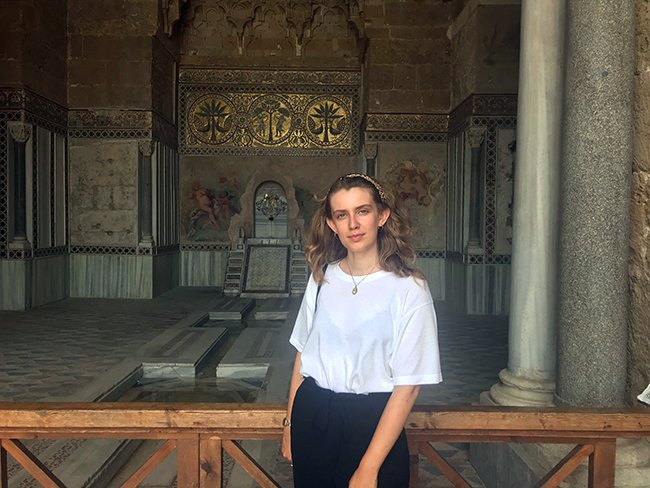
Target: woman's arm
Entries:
(296, 380)
(388, 430)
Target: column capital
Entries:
(476, 136)
(370, 150)
(146, 147)
(20, 131)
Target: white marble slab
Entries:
(182, 354)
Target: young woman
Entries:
(366, 337)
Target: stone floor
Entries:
(62, 351)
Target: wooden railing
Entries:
(200, 433)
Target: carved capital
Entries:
(476, 136)
(370, 150)
(146, 147)
(20, 131)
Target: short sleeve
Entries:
(416, 355)
(304, 321)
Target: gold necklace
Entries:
(356, 285)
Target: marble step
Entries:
(273, 308)
(228, 308)
(182, 354)
(250, 355)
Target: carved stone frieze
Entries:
(482, 104)
(121, 124)
(110, 118)
(235, 25)
(269, 77)
(407, 122)
(46, 112)
(12, 98)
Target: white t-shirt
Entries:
(385, 335)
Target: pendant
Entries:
(354, 290)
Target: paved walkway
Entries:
(58, 351)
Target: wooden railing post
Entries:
(602, 464)
(187, 462)
(414, 463)
(211, 458)
(3, 467)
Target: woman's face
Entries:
(356, 219)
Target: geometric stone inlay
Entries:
(267, 269)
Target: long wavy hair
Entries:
(395, 251)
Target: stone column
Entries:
(20, 133)
(529, 379)
(370, 152)
(145, 151)
(475, 136)
(595, 186)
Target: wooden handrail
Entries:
(200, 431)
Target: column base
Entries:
(519, 391)
(473, 248)
(19, 245)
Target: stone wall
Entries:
(103, 193)
(34, 46)
(12, 34)
(45, 48)
(110, 53)
(163, 77)
(485, 50)
(408, 59)
(639, 327)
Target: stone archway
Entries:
(241, 224)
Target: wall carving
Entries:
(407, 122)
(272, 112)
(238, 28)
(394, 127)
(121, 124)
(481, 104)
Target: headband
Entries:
(380, 190)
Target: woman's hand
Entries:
(363, 478)
(286, 444)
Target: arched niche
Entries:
(270, 212)
(242, 224)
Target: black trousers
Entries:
(330, 433)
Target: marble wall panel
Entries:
(203, 268)
(487, 289)
(14, 279)
(417, 173)
(434, 270)
(103, 192)
(111, 276)
(455, 284)
(49, 279)
(165, 272)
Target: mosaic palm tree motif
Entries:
(326, 121)
(212, 119)
(270, 119)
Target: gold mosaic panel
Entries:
(267, 120)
